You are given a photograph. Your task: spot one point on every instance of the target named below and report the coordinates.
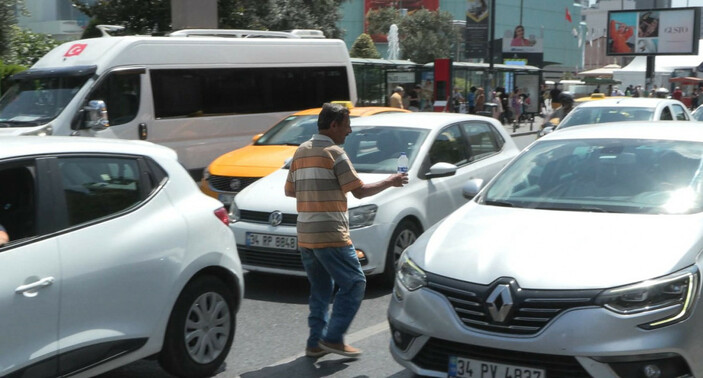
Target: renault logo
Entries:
(500, 302)
(275, 218)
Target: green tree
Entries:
(26, 47)
(380, 20)
(364, 47)
(8, 18)
(426, 35)
(137, 16)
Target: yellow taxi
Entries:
(235, 170)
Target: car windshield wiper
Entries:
(590, 209)
(499, 203)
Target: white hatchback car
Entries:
(620, 109)
(114, 256)
(444, 151)
(582, 258)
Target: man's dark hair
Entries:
(331, 112)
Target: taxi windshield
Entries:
(292, 131)
(36, 100)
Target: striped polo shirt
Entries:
(320, 175)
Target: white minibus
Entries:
(200, 92)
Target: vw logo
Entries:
(275, 218)
(235, 184)
(500, 302)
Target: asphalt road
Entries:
(272, 329)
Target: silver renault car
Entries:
(581, 258)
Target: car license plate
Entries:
(467, 367)
(272, 241)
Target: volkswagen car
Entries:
(582, 258)
(107, 263)
(444, 150)
(230, 173)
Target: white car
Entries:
(621, 109)
(114, 256)
(444, 151)
(582, 258)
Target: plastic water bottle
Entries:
(403, 163)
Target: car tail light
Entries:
(222, 215)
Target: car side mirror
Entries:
(256, 137)
(441, 170)
(95, 115)
(472, 187)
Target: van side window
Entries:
(227, 91)
(121, 93)
(18, 198)
(97, 186)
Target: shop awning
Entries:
(687, 80)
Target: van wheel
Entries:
(200, 330)
(404, 235)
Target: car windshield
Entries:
(586, 115)
(604, 175)
(376, 149)
(292, 131)
(36, 101)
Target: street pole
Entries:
(491, 34)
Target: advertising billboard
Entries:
(517, 40)
(653, 32)
(476, 34)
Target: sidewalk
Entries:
(525, 127)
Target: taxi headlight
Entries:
(676, 291)
(362, 216)
(409, 274)
(44, 131)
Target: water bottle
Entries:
(403, 163)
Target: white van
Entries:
(197, 92)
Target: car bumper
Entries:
(583, 342)
(372, 241)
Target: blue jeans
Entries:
(326, 267)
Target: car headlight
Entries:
(675, 291)
(409, 274)
(206, 173)
(44, 131)
(362, 216)
(234, 214)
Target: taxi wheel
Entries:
(201, 329)
(404, 235)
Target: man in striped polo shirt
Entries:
(320, 175)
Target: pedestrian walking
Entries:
(320, 175)
(396, 99)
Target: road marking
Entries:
(349, 339)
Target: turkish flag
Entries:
(568, 15)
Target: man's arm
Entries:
(367, 190)
(4, 237)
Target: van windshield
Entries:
(35, 100)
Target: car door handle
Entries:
(34, 285)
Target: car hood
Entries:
(543, 249)
(267, 194)
(252, 161)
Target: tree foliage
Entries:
(26, 47)
(149, 16)
(380, 20)
(364, 47)
(8, 18)
(137, 16)
(426, 35)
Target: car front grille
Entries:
(224, 183)
(267, 258)
(434, 355)
(263, 217)
(527, 311)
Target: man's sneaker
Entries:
(340, 348)
(315, 352)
